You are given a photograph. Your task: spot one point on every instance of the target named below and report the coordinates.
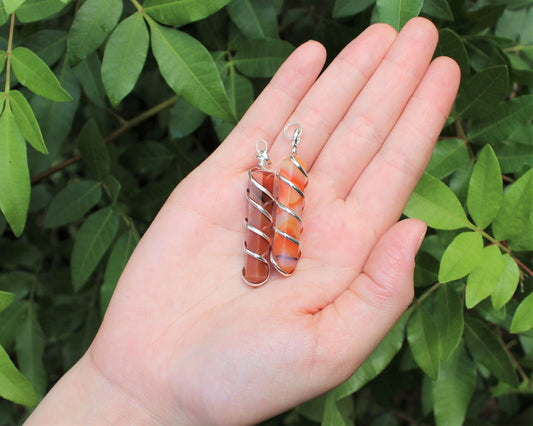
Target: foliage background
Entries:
(141, 93)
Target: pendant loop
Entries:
(296, 136)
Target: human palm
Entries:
(187, 339)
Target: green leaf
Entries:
(448, 156)
(487, 350)
(485, 190)
(180, 12)
(32, 72)
(3, 58)
(255, 18)
(26, 120)
(261, 57)
(514, 221)
(377, 361)
(344, 8)
(13, 385)
(93, 150)
(461, 256)
(450, 44)
(372, 367)
(4, 17)
(337, 412)
(423, 338)
(124, 57)
(10, 320)
(516, 152)
(240, 92)
(93, 23)
(523, 317)
(453, 389)
(12, 5)
(482, 91)
(55, 118)
(503, 120)
(49, 45)
(112, 188)
(118, 258)
(88, 73)
(190, 71)
(426, 267)
(485, 278)
(185, 119)
(507, 283)
(14, 175)
(516, 25)
(5, 299)
(72, 202)
(398, 12)
(438, 9)
(147, 158)
(36, 10)
(433, 202)
(93, 240)
(448, 315)
(29, 349)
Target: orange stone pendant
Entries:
(288, 225)
(259, 222)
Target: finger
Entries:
(386, 184)
(326, 103)
(271, 109)
(353, 325)
(375, 111)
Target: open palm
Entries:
(187, 340)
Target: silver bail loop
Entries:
(262, 156)
(296, 136)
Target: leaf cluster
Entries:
(119, 100)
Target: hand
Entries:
(185, 340)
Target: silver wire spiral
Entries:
(261, 206)
(295, 141)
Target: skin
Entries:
(184, 341)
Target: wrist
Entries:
(84, 396)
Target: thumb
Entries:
(387, 281)
(365, 312)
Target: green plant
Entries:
(121, 100)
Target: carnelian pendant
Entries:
(288, 225)
(257, 245)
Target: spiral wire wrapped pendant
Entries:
(258, 243)
(289, 194)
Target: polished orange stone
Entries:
(284, 251)
(254, 270)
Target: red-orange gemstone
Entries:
(256, 271)
(284, 251)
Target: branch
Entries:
(112, 136)
(516, 364)
(8, 53)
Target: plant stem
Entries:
(138, 6)
(517, 48)
(501, 246)
(428, 292)
(77, 8)
(517, 365)
(8, 54)
(461, 133)
(126, 126)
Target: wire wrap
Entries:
(288, 225)
(259, 222)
